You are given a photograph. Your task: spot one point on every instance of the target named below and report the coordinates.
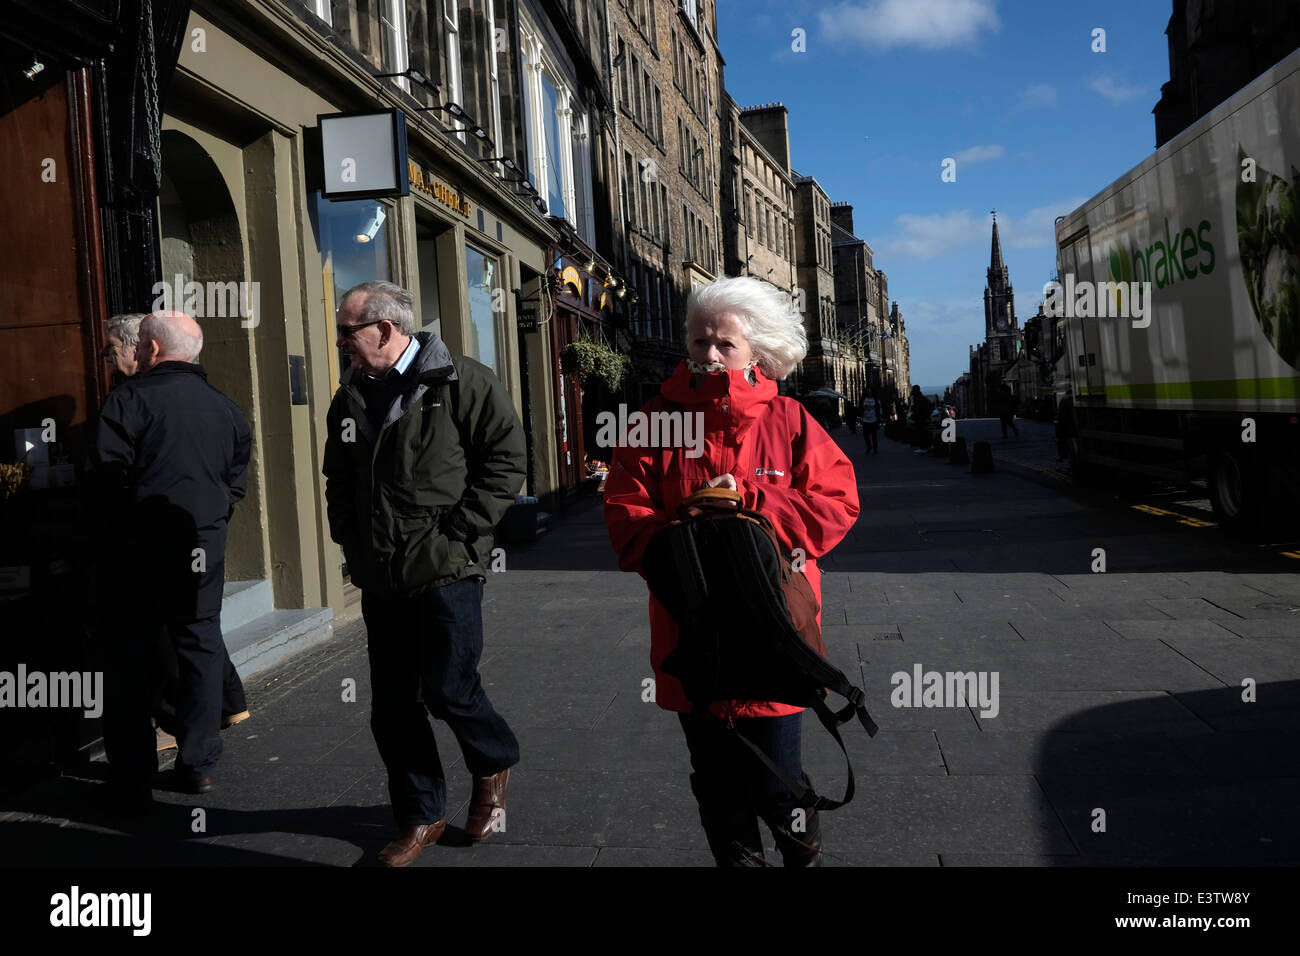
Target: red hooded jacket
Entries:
(785, 466)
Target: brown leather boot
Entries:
(409, 843)
(487, 806)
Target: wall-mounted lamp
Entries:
(506, 162)
(31, 71)
(415, 76)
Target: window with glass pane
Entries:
(551, 129)
(355, 238)
(481, 271)
(392, 27)
(451, 28)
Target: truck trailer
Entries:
(1177, 348)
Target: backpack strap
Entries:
(807, 796)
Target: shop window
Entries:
(356, 239)
(429, 318)
(482, 276)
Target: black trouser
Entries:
(869, 433)
(424, 654)
(1009, 420)
(733, 788)
(131, 680)
(168, 697)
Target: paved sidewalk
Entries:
(1121, 735)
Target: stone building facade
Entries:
(668, 84)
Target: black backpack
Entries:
(747, 621)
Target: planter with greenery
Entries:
(586, 360)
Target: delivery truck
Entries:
(1176, 312)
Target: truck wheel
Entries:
(1235, 493)
(1085, 474)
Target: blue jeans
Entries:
(424, 654)
(734, 789)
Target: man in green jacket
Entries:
(424, 455)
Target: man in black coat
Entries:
(167, 464)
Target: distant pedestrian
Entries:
(167, 464)
(1008, 403)
(870, 416)
(921, 408)
(423, 457)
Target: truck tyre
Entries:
(1235, 492)
(1085, 474)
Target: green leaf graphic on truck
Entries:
(1268, 235)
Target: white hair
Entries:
(772, 327)
(127, 327)
(174, 342)
(384, 300)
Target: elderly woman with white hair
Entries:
(742, 336)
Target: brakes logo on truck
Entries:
(1179, 256)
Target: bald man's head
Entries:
(168, 337)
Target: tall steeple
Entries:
(997, 270)
(999, 297)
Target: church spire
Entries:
(996, 267)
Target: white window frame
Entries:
(536, 62)
(392, 18)
(495, 80)
(322, 9)
(451, 26)
(582, 146)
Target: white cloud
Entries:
(1037, 228)
(1116, 89)
(979, 154)
(924, 237)
(1040, 94)
(927, 24)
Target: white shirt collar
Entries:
(408, 356)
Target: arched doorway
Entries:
(202, 255)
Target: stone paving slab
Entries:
(1265, 627)
(1155, 819)
(1159, 630)
(1128, 751)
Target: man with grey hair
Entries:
(166, 466)
(424, 455)
(119, 344)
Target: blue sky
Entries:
(1011, 89)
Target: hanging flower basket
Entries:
(585, 360)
